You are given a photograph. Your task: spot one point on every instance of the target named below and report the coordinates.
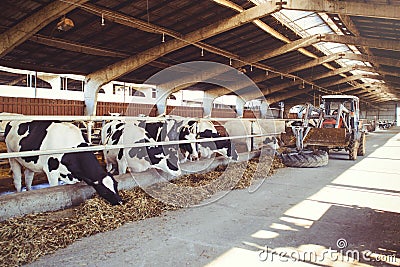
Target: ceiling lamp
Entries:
(65, 24)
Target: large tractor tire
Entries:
(361, 147)
(353, 149)
(305, 159)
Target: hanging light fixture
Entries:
(102, 20)
(65, 24)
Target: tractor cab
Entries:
(340, 111)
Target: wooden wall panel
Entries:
(195, 112)
(38, 106)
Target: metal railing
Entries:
(92, 148)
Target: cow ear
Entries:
(83, 145)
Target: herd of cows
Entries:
(83, 166)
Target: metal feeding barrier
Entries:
(91, 119)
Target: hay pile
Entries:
(24, 239)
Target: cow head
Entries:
(85, 166)
(107, 187)
(189, 150)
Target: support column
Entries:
(91, 88)
(208, 104)
(264, 109)
(162, 95)
(240, 107)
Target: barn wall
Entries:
(196, 112)
(40, 106)
(384, 112)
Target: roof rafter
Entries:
(134, 62)
(275, 99)
(314, 39)
(295, 45)
(285, 85)
(85, 49)
(329, 58)
(32, 24)
(282, 86)
(348, 79)
(348, 22)
(268, 29)
(346, 8)
(94, 80)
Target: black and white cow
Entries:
(212, 129)
(69, 167)
(188, 132)
(246, 127)
(139, 159)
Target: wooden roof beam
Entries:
(282, 86)
(136, 23)
(313, 39)
(75, 47)
(86, 49)
(329, 58)
(348, 22)
(268, 29)
(221, 91)
(299, 67)
(361, 9)
(310, 64)
(292, 46)
(94, 80)
(134, 62)
(381, 60)
(360, 86)
(362, 41)
(285, 85)
(349, 79)
(32, 24)
(293, 93)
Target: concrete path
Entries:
(344, 214)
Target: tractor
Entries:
(334, 125)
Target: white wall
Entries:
(30, 92)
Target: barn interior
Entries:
(293, 51)
(280, 53)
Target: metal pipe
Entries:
(101, 118)
(108, 147)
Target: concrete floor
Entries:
(298, 217)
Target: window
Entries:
(134, 92)
(118, 89)
(64, 83)
(153, 93)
